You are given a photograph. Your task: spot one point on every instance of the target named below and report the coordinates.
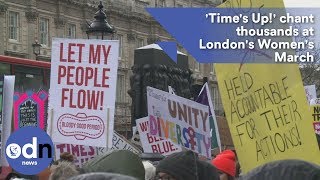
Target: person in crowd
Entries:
(12, 176)
(61, 169)
(238, 170)
(65, 157)
(150, 170)
(284, 170)
(225, 162)
(185, 165)
(117, 161)
(102, 176)
(17, 175)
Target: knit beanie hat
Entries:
(226, 162)
(289, 169)
(102, 176)
(181, 165)
(186, 166)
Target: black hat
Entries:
(284, 170)
(186, 166)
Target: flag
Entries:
(205, 99)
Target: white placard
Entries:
(85, 153)
(310, 92)
(153, 144)
(82, 91)
(8, 91)
(183, 121)
(315, 102)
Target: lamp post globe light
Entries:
(36, 49)
(99, 27)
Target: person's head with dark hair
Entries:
(238, 169)
(284, 170)
(185, 166)
(63, 168)
(225, 162)
(12, 175)
(65, 157)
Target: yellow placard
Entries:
(266, 107)
(267, 113)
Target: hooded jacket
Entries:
(284, 170)
(118, 161)
(186, 166)
(102, 176)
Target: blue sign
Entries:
(29, 150)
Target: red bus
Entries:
(30, 74)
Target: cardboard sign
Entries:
(315, 101)
(121, 143)
(310, 92)
(153, 144)
(268, 115)
(8, 90)
(29, 109)
(183, 121)
(82, 91)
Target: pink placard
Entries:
(29, 109)
(316, 126)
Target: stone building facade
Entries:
(23, 22)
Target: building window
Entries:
(212, 69)
(71, 31)
(215, 97)
(44, 31)
(120, 38)
(120, 88)
(162, 3)
(5, 68)
(14, 26)
(140, 43)
(212, 95)
(197, 66)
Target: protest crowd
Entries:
(186, 165)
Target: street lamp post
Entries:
(99, 27)
(36, 49)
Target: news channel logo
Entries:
(29, 150)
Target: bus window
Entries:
(5, 68)
(29, 78)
